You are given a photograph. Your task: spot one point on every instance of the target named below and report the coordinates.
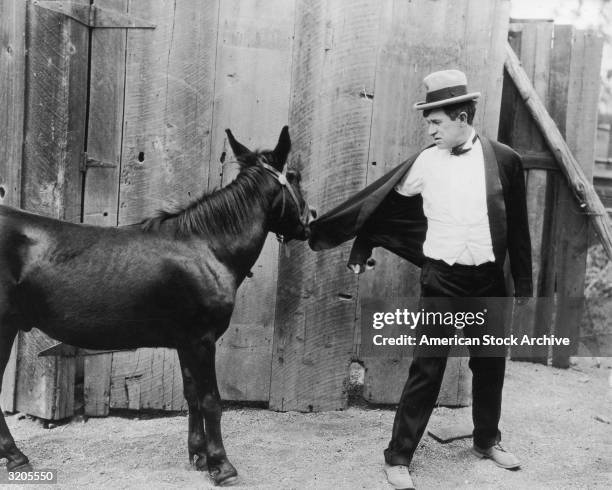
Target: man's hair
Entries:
(453, 110)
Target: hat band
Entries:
(446, 93)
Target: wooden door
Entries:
(160, 100)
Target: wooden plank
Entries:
(54, 140)
(244, 357)
(333, 67)
(573, 229)
(165, 150)
(101, 193)
(532, 43)
(12, 93)
(448, 433)
(252, 83)
(12, 99)
(168, 107)
(96, 385)
(602, 143)
(472, 45)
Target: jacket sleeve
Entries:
(398, 225)
(519, 242)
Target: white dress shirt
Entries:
(454, 202)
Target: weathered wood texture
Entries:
(359, 80)
(346, 80)
(577, 180)
(549, 81)
(572, 228)
(333, 69)
(55, 114)
(252, 83)
(413, 45)
(12, 104)
(101, 192)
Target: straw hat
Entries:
(444, 88)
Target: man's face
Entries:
(446, 132)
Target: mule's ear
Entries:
(283, 146)
(238, 149)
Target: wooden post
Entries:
(56, 85)
(12, 100)
(585, 49)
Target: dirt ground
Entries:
(556, 421)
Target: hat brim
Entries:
(420, 106)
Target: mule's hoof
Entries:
(198, 461)
(223, 474)
(19, 465)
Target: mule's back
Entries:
(101, 287)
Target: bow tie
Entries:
(460, 150)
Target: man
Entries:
(455, 209)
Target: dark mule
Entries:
(170, 282)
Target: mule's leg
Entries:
(200, 361)
(8, 449)
(196, 438)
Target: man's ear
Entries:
(463, 117)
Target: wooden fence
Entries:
(115, 122)
(564, 66)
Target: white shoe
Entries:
(399, 477)
(499, 455)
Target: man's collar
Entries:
(465, 147)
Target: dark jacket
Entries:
(380, 217)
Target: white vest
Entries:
(454, 202)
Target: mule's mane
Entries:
(225, 211)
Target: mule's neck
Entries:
(233, 221)
(240, 252)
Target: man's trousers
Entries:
(439, 281)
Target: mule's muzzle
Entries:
(312, 214)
